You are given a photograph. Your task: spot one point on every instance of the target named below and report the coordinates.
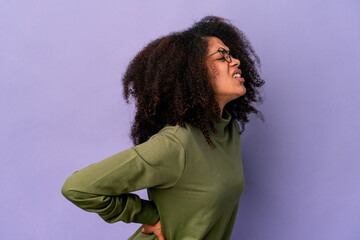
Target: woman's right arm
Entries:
(105, 187)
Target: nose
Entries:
(235, 62)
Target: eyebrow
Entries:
(224, 48)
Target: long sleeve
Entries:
(105, 187)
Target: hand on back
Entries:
(154, 229)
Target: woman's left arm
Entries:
(105, 187)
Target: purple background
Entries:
(61, 107)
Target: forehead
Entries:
(214, 44)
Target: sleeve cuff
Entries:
(149, 214)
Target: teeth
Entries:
(236, 75)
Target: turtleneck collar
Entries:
(221, 126)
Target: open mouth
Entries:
(236, 73)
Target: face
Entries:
(226, 78)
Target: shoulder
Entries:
(162, 143)
(163, 149)
(181, 133)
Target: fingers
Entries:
(150, 230)
(155, 229)
(146, 230)
(159, 234)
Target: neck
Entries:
(221, 105)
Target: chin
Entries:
(238, 95)
(242, 92)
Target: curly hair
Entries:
(169, 80)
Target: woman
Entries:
(189, 90)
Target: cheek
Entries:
(213, 70)
(213, 73)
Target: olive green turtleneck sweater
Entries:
(194, 189)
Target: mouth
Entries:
(237, 75)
